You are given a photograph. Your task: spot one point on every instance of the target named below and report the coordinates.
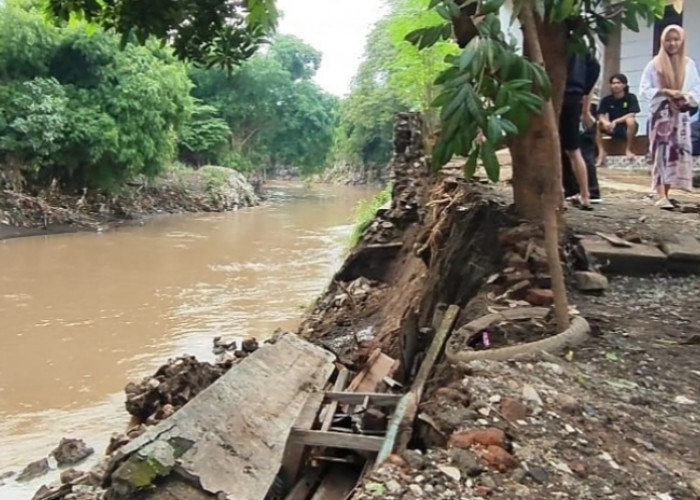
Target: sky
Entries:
(337, 29)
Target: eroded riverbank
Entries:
(180, 190)
(86, 313)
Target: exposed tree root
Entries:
(577, 333)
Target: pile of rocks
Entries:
(526, 273)
(533, 430)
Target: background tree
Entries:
(393, 76)
(276, 114)
(80, 109)
(215, 32)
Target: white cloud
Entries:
(337, 29)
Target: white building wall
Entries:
(511, 27)
(691, 23)
(636, 52)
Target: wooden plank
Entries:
(357, 398)
(365, 370)
(229, 439)
(339, 385)
(337, 484)
(383, 366)
(394, 426)
(408, 342)
(337, 440)
(294, 453)
(414, 397)
(306, 484)
(436, 348)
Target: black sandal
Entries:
(578, 204)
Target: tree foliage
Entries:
(393, 76)
(214, 32)
(80, 109)
(276, 114)
(83, 109)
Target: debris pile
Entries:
(210, 189)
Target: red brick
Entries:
(524, 232)
(513, 410)
(499, 459)
(540, 297)
(483, 437)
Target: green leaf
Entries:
(509, 127)
(454, 8)
(562, 10)
(541, 80)
(444, 12)
(494, 131)
(377, 489)
(490, 6)
(470, 165)
(475, 106)
(458, 99)
(443, 98)
(490, 161)
(468, 53)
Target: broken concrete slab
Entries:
(230, 439)
(636, 260)
(683, 254)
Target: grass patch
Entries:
(365, 212)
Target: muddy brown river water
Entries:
(82, 314)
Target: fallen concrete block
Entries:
(683, 254)
(636, 260)
(228, 441)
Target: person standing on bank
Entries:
(671, 85)
(617, 117)
(582, 75)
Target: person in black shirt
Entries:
(617, 116)
(582, 75)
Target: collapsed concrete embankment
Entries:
(370, 406)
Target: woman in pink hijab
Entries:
(671, 85)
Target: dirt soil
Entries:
(618, 417)
(50, 211)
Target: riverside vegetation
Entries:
(90, 119)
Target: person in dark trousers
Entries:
(583, 73)
(617, 116)
(588, 151)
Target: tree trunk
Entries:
(536, 157)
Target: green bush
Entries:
(79, 108)
(365, 212)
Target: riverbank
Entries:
(612, 417)
(180, 189)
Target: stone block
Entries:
(636, 260)
(683, 254)
(588, 281)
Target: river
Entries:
(83, 314)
